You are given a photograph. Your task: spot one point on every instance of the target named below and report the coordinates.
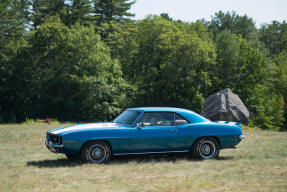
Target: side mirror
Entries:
(139, 125)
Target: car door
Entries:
(155, 132)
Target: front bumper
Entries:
(53, 147)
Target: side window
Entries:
(179, 120)
(157, 119)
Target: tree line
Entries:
(87, 60)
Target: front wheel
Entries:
(96, 152)
(205, 148)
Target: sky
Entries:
(261, 11)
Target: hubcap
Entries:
(97, 153)
(207, 149)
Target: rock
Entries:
(225, 106)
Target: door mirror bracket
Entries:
(139, 125)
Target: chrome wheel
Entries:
(96, 152)
(205, 148)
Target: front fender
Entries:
(118, 140)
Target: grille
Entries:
(56, 139)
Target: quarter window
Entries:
(179, 120)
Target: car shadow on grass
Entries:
(63, 162)
(54, 163)
(148, 158)
(220, 158)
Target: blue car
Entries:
(144, 131)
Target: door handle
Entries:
(174, 130)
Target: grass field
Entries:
(258, 164)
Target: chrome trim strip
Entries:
(54, 145)
(151, 152)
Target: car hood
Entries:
(83, 127)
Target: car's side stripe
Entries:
(227, 122)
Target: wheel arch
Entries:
(209, 136)
(92, 140)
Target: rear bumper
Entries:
(241, 137)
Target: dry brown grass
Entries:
(258, 164)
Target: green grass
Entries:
(258, 164)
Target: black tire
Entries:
(205, 148)
(72, 157)
(96, 152)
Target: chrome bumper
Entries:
(241, 137)
(53, 147)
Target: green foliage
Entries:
(274, 36)
(228, 51)
(71, 69)
(42, 9)
(248, 73)
(86, 60)
(166, 16)
(29, 121)
(106, 11)
(13, 16)
(240, 25)
(266, 108)
(170, 63)
(79, 11)
(70, 11)
(280, 83)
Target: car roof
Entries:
(170, 109)
(189, 115)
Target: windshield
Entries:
(127, 117)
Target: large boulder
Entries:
(225, 106)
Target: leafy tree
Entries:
(171, 63)
(42, 9)
(248, 73)
(79, 11)
(112, 10)
(121, 39)
(14, 18)
(251, 69)
(253, 75)
(228, 52)
(166, 16)
(13, 21)
(280, 82)
(240, 25)
(68, 73)
(70, 11)
(274, 36)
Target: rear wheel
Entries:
(205, 148)
(96, 152)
